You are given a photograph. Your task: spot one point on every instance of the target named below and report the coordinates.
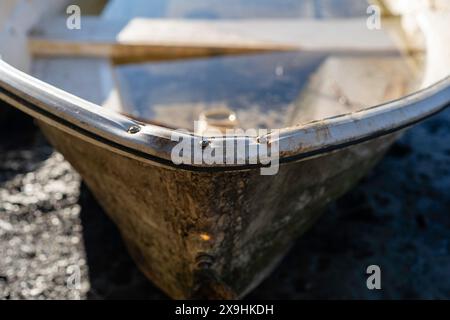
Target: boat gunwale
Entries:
(153, 143)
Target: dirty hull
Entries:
(242, 221)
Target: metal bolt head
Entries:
(263, 140)
(204, 143)
(134, 129)
(204, 260)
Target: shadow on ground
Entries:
(112, 273)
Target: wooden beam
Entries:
(164, 39)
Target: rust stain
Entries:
(205, 236)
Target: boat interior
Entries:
(230, 64)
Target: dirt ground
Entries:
(397, 218)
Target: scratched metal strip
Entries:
(153, 143)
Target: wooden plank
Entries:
(139, 39)
(153, 38)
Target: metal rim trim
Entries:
(153, 143)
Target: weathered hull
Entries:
(240, 221)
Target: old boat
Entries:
(110, 92)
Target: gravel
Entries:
(57, 243)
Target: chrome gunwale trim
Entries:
(153, 143)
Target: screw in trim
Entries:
(134, 129)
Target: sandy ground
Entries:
(397, 218)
